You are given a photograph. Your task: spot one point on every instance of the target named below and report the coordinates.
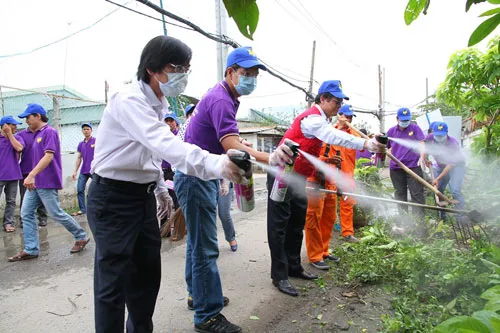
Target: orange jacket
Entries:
(348, 155)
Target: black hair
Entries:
(44, 118)
(161, 51)
(327, 96)
(235, 67)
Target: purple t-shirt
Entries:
(165, 164)
(27, 156)
(10, 169)
(213, 119)
(445, 153)
(86, 149)
(407, 156)
(365, 153)
(47, 140)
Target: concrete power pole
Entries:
(426, 91)
(311, 78)
(56, 115)
(381, 102)
(221, 30)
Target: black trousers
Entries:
(285, 230)
(41, 212)
(403, 182)
(127, 268)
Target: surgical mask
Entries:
(246, 85)
(404, 124)
(176, 84)
(440, 138)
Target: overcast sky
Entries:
(353, 37)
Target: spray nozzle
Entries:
(242, 160)
(382, 139)
(294, 146)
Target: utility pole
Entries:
(106, 90)
(426, 91)
(163, 19)
(311, 78)
(221, 30)
(381, 102)
(1, 98)
(57, 115)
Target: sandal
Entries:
(77, 213)
(9, 228)
(22, 256)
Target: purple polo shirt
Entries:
(27, 156)
(407, 156)
(10, 169)
(86, 149)
(47, 140)
(445, 153)
(165, 164)
(213, 119)
(365, 153)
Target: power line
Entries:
(277, 94)
(61, 39)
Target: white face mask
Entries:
(440, 138)
(404, 124)
(175, 85)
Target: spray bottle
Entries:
(380, 157)
(280, 186)
(244, 192)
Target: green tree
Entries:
(473, 82)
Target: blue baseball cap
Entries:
(189, 109)
(347, 110)
(244, 57)
(9, 120)
(439, 128)
(33, 109)
(333, 87)
(171, 115)
(87, 125)
(404, 114)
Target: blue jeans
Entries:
(50, 199)
(224, 210)
(10, 189)
(80, 190)
(198, 200)
(454, 178)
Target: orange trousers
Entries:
(320, 218)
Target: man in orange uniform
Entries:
(322, 208)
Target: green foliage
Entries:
(413, 9)
(246, 15)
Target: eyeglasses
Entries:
(181, 68)
(348, 117)
(339, 101)
(248, 73)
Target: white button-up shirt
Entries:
(133, 140)
(318, 126)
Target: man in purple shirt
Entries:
(401, 180)
(168, 174)
(213, 127)
(450, 168)
(86, 154)
(10, 147)
(26, 166)
(43, 183)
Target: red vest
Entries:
(311, 146)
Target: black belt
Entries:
(126, 186)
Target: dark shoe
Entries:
(191, 306)
(22, 256)
(286, 287)
(332, 258)
(79, 245)
(234, 247)
(42, 223)
(218, 324)
(351, 239)
(305, 275)
(320, 265)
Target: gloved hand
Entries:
(374, 146)
(224, 187)
(164, 205)
(283, 154)
(231, 171)
(335, 160)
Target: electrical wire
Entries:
(61, 39)
(269, 95)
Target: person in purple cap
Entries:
(286, 219)
(401, 180)
(450, 168)
(26, 165)
(168, 173)
(43, 183)
(188, 112)
(11, 146)
(213, 127)
(85, 151)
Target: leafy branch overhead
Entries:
(415, 7)
(245, 13)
